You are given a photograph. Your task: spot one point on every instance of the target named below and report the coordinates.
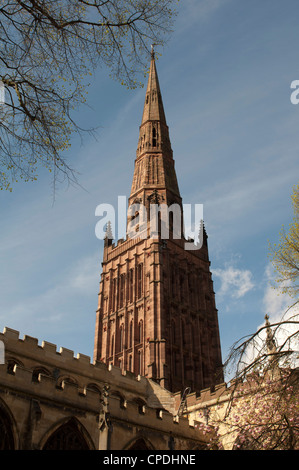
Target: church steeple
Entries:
(153, 107)
(154, 173)
(156, 315)
(153, 133)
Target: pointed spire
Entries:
(154, 164)
(272, 352)
(153, 106)
(270, 341)
(153, 132)
(108, 235)
(202, 236)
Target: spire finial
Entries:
(153, 50)
(108, 235)
(270, 341)
(153, 108)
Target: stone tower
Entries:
(156, 313)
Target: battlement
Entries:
(33, 356)
(45, 389)
(206, 397)
(46, 386)
(13, 343)
(145, 416)
(98, 373)
(121, 245)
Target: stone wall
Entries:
(51, 398)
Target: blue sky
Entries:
(225, 77)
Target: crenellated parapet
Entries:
(44, 385)
(206, 397)
(62, 368)
(75, 373)
(46, 390)
(29, 355)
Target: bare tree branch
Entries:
(48, 50)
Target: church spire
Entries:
(270, 341)
(153, 133)
(156, 315)
(154, 166)
(153, 107)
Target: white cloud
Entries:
(274, 303)
(234, 282)
(280, 308)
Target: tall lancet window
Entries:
(121, 338)
(131, 335)
(112, 346)
(139, 280)
(139, 362)
(140, 331)
(113, 294)
(122, 290)
(131, 285)
(154, 142)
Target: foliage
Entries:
(285, 254)
(261, 411)
(260, 408)
(275, 344)
(262, 414)
(265, 413)
(48, 49)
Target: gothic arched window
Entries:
(67, 437)
(140, 331)
(139, 362)
(121, 338)
(131, 334)
(6, 432)
(113, 294)
(139, 280)
(139, 444)
(112, 346)
(131, 286)
(173, 332)
(122, 290)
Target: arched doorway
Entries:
(67, 437)
(6, 431)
